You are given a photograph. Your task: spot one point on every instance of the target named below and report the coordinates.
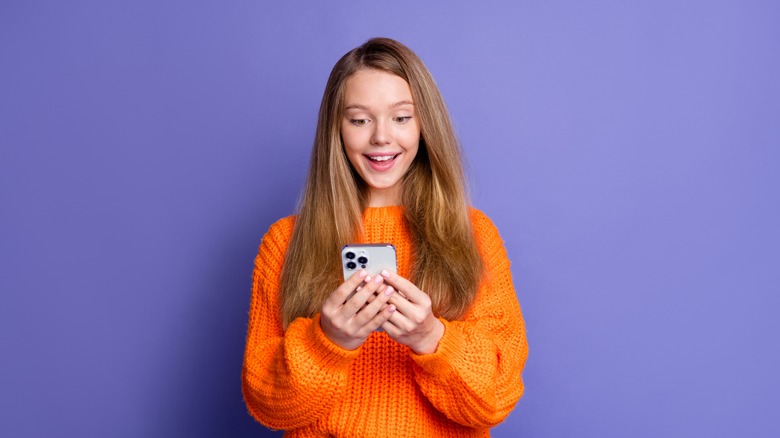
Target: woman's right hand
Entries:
(348, 320)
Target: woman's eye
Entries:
(359, 122)
(402, 119)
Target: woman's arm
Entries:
(292, 378)
(474, 376)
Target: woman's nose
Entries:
(381, 135)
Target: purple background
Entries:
(627, 151)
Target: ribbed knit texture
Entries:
(301, 382)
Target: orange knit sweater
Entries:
(299, 381)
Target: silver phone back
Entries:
(373, 258)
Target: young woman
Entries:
(436, 349)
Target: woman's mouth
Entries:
(381, 162)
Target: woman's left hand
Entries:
(413, 323)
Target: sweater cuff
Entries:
(439, 363)
(321, 349)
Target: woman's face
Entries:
(380, 132)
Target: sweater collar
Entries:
(392, 212)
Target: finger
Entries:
(353, 305)
(373, 308)
(342, 292)
(373, 297)
(405, 287)
(402, 323)
(391, 329)
(379, 320)
(404, 306)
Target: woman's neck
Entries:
(384, 197)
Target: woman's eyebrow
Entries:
(365, 108)
(401, 103)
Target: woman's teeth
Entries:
(383, 158)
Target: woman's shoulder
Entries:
(283, 226)
(485, 230)
(480, 221)
(279, 233)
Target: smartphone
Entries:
(373, 258)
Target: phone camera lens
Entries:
(350, 255)
(351, 265)
(362, 260)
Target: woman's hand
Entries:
(351, 312)
(413, 324)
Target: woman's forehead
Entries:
(374, 89)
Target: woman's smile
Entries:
(381, 162)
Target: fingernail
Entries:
(368, 279)
(377, 279)
(385, 273)
(391, 309)
(388, 290)
(362, 274)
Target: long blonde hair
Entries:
(447, 264)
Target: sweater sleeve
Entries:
(474, 377)
(290, 378)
